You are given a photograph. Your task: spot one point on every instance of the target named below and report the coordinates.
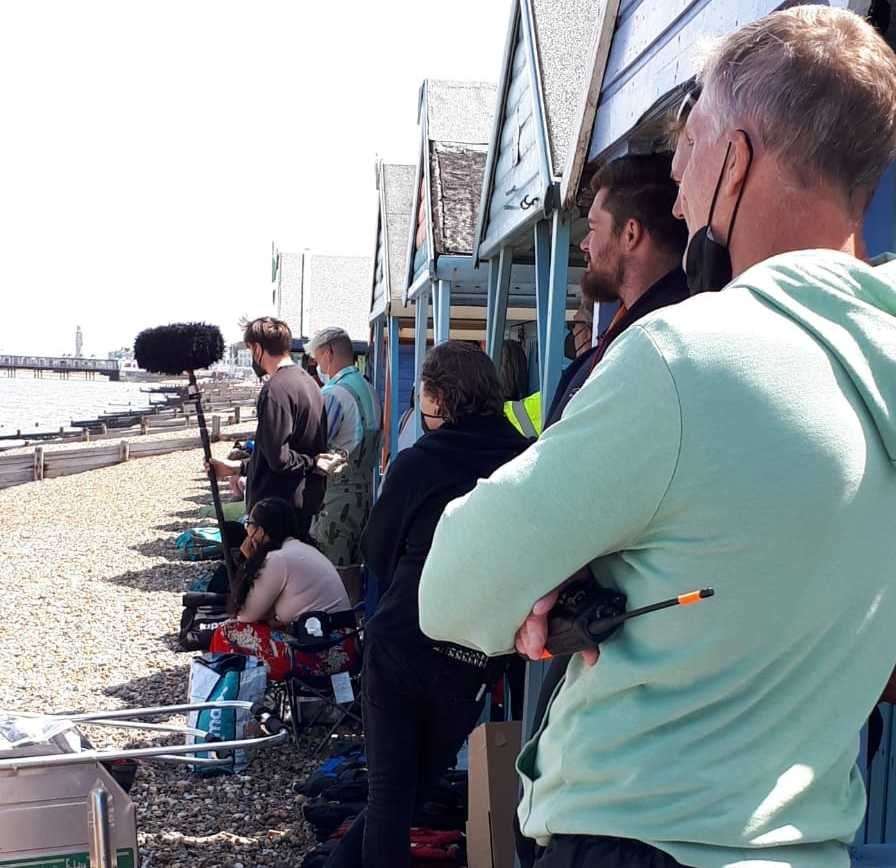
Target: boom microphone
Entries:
(179, 347)
(188, 347)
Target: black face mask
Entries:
(426, 424)
(708, 262)
(258, 369)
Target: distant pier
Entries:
(62, 366)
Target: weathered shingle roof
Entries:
(336, 293)
(459, 119)
(456, 177)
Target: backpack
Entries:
(205, 607)
(200, 544)
(351, 757)
(428, 847)
(325, 817)
(204, 543)
(431, 846)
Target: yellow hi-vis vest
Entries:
(525, 415)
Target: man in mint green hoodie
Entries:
(744, 440)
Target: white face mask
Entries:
(321, 373)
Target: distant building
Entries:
(287, 290)
(79, 342)
(312, 290)
(336, 292)
(238, 355)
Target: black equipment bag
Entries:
(203, 612)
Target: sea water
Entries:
(35, 404)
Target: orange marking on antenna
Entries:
(689, 599)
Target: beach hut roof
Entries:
(395, 189)
(455, 119)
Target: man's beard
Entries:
(603, 286)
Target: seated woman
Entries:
(421, 698)
(282, 578)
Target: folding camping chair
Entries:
(314, 632)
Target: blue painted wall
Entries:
(880, 219)
(405, 375)
(656, 47)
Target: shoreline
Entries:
(228, 433)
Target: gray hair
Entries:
(818, 87)
(333, 336)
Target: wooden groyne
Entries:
(41, 464)
(236, 404)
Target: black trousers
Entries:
(419, 706)
(526, 849)
(586, 851)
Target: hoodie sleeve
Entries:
(590, 486)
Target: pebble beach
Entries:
(90, 604)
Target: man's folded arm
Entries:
(588, 487)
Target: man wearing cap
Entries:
(743, 440)
(354, 424)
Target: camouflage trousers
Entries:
(338, 526)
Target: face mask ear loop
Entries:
(715, 195)
(740, 195)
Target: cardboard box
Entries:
(494, 794)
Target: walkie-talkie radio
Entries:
(587, 614)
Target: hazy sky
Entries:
(151, 152)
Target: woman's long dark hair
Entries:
(277, 519)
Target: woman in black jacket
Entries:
(422, 699)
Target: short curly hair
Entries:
(463, 379)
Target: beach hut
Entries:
(553, 63)
(455, 121)
(392, 361)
